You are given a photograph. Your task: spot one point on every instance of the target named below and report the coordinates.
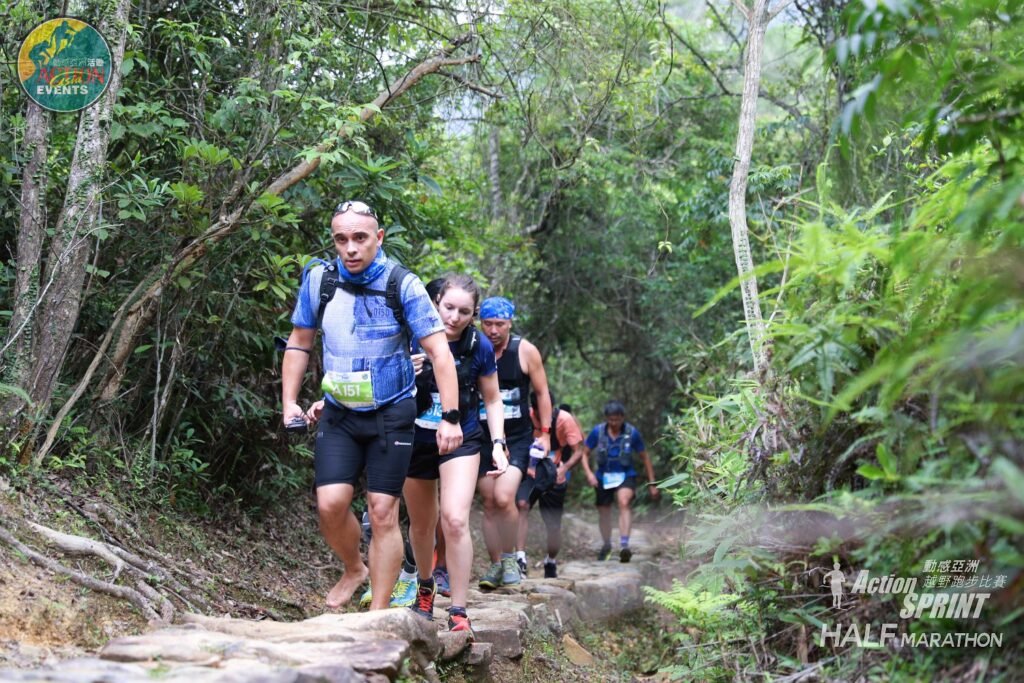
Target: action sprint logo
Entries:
(964, 599)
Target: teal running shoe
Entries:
(404, 594)
(492, 579)
(510, 575)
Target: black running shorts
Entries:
(518, 454)
(379, 441)
(426, 461)
(605, 497)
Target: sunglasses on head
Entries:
(362, 208)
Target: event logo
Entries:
(958, 593)
(64, 64)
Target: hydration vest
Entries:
(515, 391)
(469, 393)
(330, 281)
(625, 458)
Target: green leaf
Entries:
(871, 472)
(1012, 477)
(886, 459)
(17, 391)
(431, 184)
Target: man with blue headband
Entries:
(519, 368)
(367, 306)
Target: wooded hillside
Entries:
(787, 234)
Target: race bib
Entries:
(431, 417)
(613, 480)
(510, 399)
(350, 389)
(510, 405)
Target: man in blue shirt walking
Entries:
(614, 443)
(367, 412)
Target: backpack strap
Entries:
(392, 293)
(602, 445)
(328, 286)
(627, 441)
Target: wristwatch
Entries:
(452, 416)
(499, 441)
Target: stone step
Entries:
(375, 646)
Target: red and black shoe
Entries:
(458, 621)
(424, 605)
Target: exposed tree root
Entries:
(133, 596)
(156, 585)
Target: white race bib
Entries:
(350, 389)
(613, 480)
(510, 398)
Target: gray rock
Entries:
(453, 643)
(378, 653)
(479, 654)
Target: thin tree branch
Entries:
(781, 6)
(471, 85)
(744, 10)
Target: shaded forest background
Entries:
(576, 156)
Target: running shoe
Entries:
(404, 594)
(424, 603)
(522, 566)
(492, 579)
(460, 622)
(510, 571)
(625, 554)
(441, 580)
(604, 553)
(550, 570)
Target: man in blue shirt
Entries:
(366, 415)
(614, 443)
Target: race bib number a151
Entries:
(350, 389)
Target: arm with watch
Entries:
(449, 433)
(495, 423)
(539, 383)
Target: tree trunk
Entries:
(758, 17)
(494, 172)
(18, 357)
(69, 248)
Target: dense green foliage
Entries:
(578, 161)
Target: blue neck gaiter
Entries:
(372, 272)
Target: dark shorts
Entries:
(518, 453)
(543, 481)
(379, 441)
(426, 461)
(607, 496)
(552, 500)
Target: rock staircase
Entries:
(370, 646)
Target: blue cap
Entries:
(497, 307)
